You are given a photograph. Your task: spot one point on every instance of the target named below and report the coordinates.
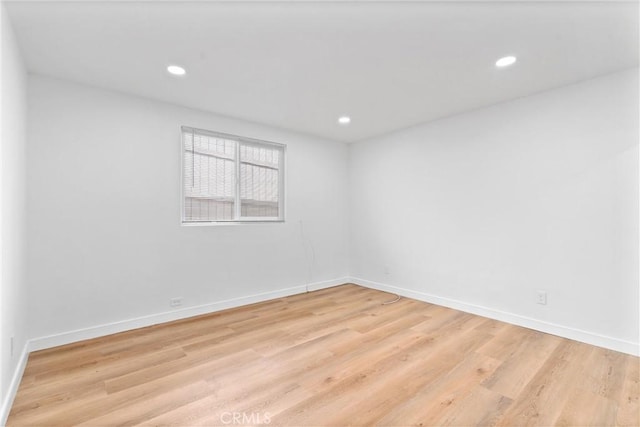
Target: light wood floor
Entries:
(332, 357)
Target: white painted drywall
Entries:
(106, 243)
(12, 207)
(490, 206)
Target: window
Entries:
(228, 178)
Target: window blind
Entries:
(231, 178)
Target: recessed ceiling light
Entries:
(176, 70)
(344, 120)
(506, 61)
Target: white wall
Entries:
(477, 211)
(105, 238)
(12, 209)
(482, 209)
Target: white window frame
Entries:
(240, 140)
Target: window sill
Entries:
(225, 223)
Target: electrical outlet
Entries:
(387, 271)
(175, 302)
(542, 298)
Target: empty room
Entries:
(319, 213)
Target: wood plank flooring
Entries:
(334, 357)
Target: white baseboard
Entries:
(327, 284)
(7, 402)
(612, 343)
(169, 316)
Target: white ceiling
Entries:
(299, 65)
